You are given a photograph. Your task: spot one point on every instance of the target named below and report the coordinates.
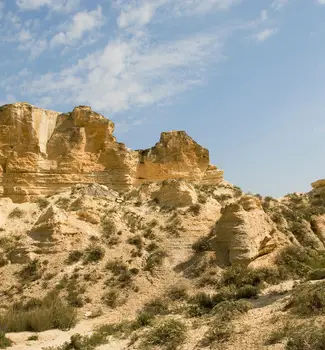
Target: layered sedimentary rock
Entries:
(43, 152)
(243, 232)
(175, 193)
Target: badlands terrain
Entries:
(104, 247)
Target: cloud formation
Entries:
(130, 73)
(56, 5)
(265, 34)
(81, 23)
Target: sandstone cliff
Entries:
(44, 152)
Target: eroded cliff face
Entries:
(244, 232)
(43, 152)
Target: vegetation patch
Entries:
(38, 315)
(154, 260)
(308, 300)
(93, 254)
(169, 334)
(4, 341)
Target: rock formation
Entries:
(243, 232)
(43, 152)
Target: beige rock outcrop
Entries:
(243, 232)
(43, 152)
(175, 193)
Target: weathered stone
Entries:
(243, 232)
(175, 193)
(44, 152)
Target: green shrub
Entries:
(168, 334)
(62, 202)
(195, 209)
(16, 213)
(178, 292)
(143, 319)
(221, 327)
(108, 227)
(219, 332)
(93, 254)
(155, 259)
(297, 262)
(74, 256)
(111, 298)
(246, 292)
(307, 337)
(227, 310)
(31, 272)
(240, 276)
(42, 203)
(38, 315)
(308, 300)
(4, 341)
(122, 275)
(157, 306)
(136, 241)
(33, 337)
(201, 245)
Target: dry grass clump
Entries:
(308, 300)
(74, 256)
(112, 298)
(308, 337)
(297, 262)
(154, 260)
(17, 213)
(168, 334)
(42, 203)
(122, 275)
(38, 315)
(4, 341)
(177, 292)
(221, 327)
(201, 245)
(93, 253)
(31, 272)
(108, 227)
(157, 306)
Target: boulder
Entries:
(175, 193)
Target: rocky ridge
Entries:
(133, 239)
(44, 152)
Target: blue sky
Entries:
(244, 78)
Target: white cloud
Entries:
(265, 34)
(279, 4)
(82, 22)
(128, 73)
(56, 5)
(137, 15)
(264, 15)
(321, 2)
(190, 7)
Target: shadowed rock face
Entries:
(243, 232)
(43, 152)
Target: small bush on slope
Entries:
(169, 334)
(308, 300)
(297, 262)
(4, 341)
(93, 254)
(308, 337)
(221, 328)
(38, 315)
(16, 213)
